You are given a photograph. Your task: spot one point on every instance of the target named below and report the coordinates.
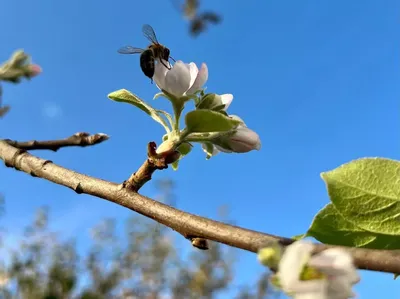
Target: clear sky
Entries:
(318, 80)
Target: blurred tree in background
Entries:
(141, 263)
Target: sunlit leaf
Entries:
(366, 192)
(330, 227)
(125, 96)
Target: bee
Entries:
(155, 51)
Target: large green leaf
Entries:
(203, 120)
(126, 96)
(330, 227)
(366, 192)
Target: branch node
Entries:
(198, 242)
(153, 162)
(78, 189)
(13, 161)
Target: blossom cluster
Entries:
(329, 274)
(208, 124)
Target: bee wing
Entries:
(149, 33)
(130, 50)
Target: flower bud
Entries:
(33, 70)
(243, 140)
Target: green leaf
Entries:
(125, 96)
(175, 165)
(366, 192)
(330, 227)
(167, 115)
(208, 148)
(184, 149)
(158, 95)
(203, 120)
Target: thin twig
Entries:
(188, 225)
(79, 139)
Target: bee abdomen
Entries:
(147, 63)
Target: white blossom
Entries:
(182, 79)
(335, 264)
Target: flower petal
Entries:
(226, 100)
(335, 262)
(193, 72)
(177, 80)
(160, 71)
(291, 265)
(201, 79)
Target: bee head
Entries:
(165, 53)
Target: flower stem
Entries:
(178, 107)
(199, 137)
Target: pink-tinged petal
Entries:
(160, 71)
(193, 72)
(201, 79)
(226, 100)
(245, 140)
(177, 80)
(34, 70)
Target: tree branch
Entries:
(154, 162)
(79, 139)
(189, 225)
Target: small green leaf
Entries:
(166, 114)
(125, 96)
(209, 121)
(184, 149)
(209, 101)
(157, 95)
(208, 148)
(366, 192)
(330, 227)
(175, 165)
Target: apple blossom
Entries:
(338, 273)
(242, 140)
(182, 79)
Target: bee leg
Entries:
(172, 59)
(165, 65)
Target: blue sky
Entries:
(318, 80)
